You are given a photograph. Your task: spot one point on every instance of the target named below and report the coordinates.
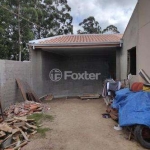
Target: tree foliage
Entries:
(111, 28)
(54, 19)
(37, 19)
(91, 26)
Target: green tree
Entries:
(53, 18)
(30, 20)
(91, 26)
(4, 33)
(111, 28)
(18, 31)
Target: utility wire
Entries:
(21, 16)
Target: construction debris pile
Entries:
(15, 132)
(16, 129)
(23, 109)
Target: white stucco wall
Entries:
(143, 55)
(130, 40)
(137, 34)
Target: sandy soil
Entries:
(78, 125)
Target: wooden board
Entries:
(144, 76)
(90, 96)
(20, 85)
(26, 91)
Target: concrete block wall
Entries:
(9, 71)
(76, 64)
(50, 61)
(36, 71)
(36, 74)
(80, 64)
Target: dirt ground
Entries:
(78, 125)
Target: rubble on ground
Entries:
(23, 109)
(16, 129)
(15, 132)
(47, 97)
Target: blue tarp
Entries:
(133, 107)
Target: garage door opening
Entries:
(76, 62)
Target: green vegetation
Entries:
(25, 20)
(42, 131)
(91, 26)
(39, 117)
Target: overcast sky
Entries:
(106, 12)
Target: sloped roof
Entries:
(80, 40)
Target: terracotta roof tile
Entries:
(82, 38)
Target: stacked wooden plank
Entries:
(15, 132)
(90, 96)
(15, 128)
(26, 91)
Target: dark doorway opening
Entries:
(132, 61)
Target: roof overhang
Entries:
(77, 41)
(73, 45)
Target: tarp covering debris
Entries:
(134, 107)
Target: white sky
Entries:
(106, 12)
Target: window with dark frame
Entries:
(132, 61)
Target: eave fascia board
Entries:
(73, 44)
